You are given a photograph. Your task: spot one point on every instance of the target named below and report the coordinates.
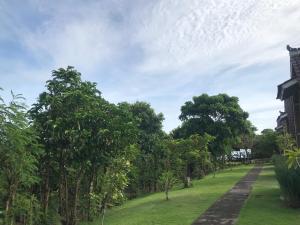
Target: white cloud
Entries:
(175, 33)
(81, 36)
(184, 48)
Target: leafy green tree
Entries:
(111, 184)
(189, 157)
(83, 134)
(19, 155)
(167, 180)
(148, 164)
(220, 116)
(247, 138)
(265, 144)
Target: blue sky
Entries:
(163, 52)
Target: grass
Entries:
(184, 206)
(264, 205)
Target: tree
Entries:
(220, 116)
(247, 138)
(112, 183)
(19, 155)
(83, 135)
(167, 180)
(188, 157)
(265, 144)
(148, 164)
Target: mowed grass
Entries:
(184, 206)
(264, 206)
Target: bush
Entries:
(289, 181)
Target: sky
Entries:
(162, 52)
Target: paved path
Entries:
(225, 211)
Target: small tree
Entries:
(167, 180)
(111, 185)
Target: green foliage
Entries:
(77, 154)
(84, 136)
(289, 181)
(220, 116)
(148, 165)
(27, 208)
(285, 142)
(293, 158)
(287, 145)
(19, 155)
(167, 181)
(113, 182)
(188, 158)
(265, 144)
(247, 136)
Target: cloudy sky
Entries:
(163, 52)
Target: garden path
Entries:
(225, 211)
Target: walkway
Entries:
(225, 211)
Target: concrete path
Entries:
(225, 211)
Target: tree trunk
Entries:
(63, 193)
(167, 194)
(223, 161)
(91, 189)
(9, 203)
(73, 215)
(46, 190)
(103, 208)
(187, 178)
(7, 211)
(103, 214)
(215, 167)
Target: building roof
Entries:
(283, 115)
(279, 128)
(287, 88)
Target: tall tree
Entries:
(82, 134)
(150, 135)
(220, 116)
(19, 155)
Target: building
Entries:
(289, 92)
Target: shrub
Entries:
(289, 181)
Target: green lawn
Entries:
(264, 206)
(184, 206)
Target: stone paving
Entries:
(225, 211)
